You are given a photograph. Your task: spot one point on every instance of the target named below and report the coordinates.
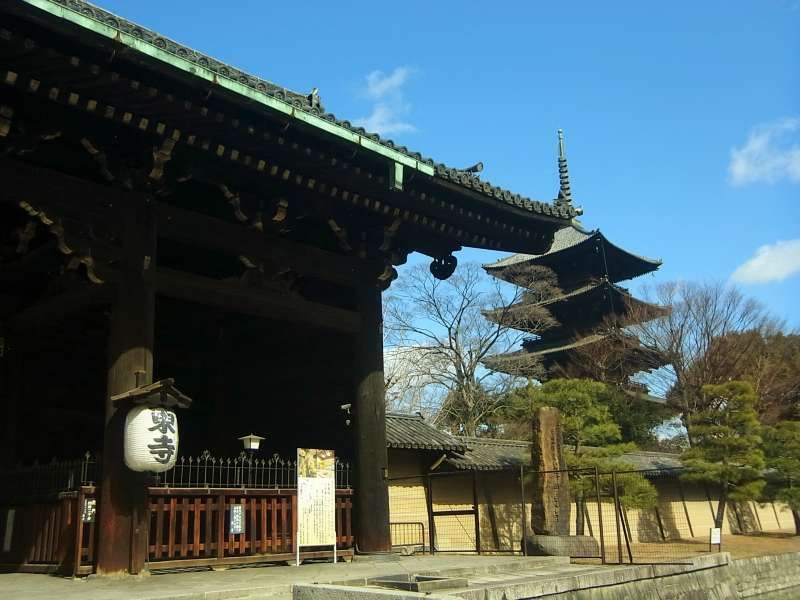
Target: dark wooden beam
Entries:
(253, 301)
(36, 261)
(46, 189)
(50, 190)
(58, 307)
(197, 229)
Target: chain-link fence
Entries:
(626, 516)
(409, 520)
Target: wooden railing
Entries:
(192, 526)
(47, 534)
(188, 527)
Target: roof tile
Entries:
(413, 432)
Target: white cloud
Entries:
(772, 262)
(379, 84)
(771, 153)
(385, 119)
(390, 109)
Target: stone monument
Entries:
(551, 500)
(550, 513)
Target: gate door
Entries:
(453, 518)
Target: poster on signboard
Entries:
(716, 535)
(316, 497)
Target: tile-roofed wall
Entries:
(492, 454)
(412, 432)
(307, 103)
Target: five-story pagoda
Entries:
(591, 310)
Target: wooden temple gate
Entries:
(164, 215)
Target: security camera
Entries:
(346, 409)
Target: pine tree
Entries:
(782, 449)
(726, 444)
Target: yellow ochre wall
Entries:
(501, 520)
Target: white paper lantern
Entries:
(151, 439)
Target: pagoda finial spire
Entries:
(564, 192)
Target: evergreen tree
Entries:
(782, 449)
(592, 439)
(726, 445)
(585, 415)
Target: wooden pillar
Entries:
(372, 462)
(123, 517)
(9, 396)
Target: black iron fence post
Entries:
(600, 515)
(685, 508)
(524, 517)
(475, 506)
(617, 515)
(431, 524)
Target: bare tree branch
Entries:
(441, 325)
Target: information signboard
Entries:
(715, 538)
(316, 499)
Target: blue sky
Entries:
(682, 119)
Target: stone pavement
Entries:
(706, 577)
(268, 582)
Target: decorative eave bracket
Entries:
(161, 394)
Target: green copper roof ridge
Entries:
(145, 47)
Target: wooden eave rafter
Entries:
(502, 233)
(72, 197)
(282, 175)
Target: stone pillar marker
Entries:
(551, 499)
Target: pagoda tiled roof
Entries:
(622, 302)
(291, 104)
(555, 352)
(576, 239)
(546, 347)
(564, 238)
(605, 285)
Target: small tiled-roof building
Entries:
(412, 432)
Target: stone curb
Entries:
(513, 564)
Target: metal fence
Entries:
(626, 516)
(245, 471)
(38, 481)
(207, 471)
